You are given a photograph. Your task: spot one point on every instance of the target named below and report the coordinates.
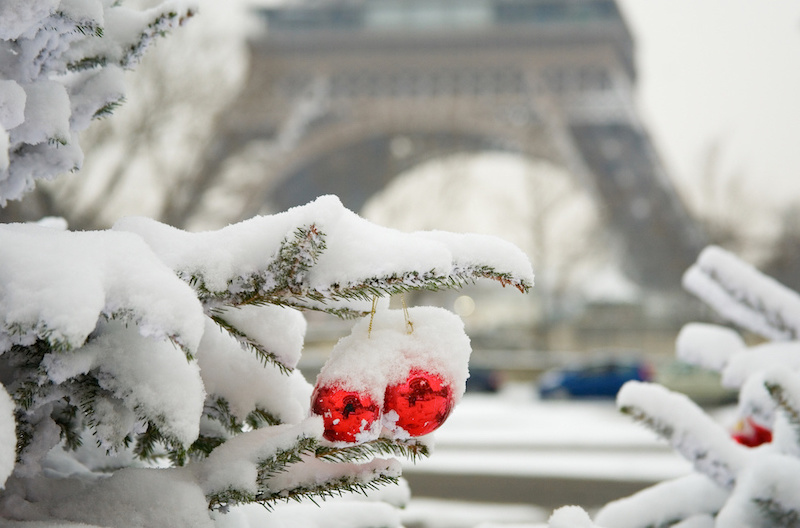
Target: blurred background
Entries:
(610, 140)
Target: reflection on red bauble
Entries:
(345, 414)
(422, 403)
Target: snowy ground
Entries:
(514, 434)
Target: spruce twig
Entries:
(411, 449)
(324, 490)
(781, 398)
(264, 355)
(283, 282)
(776, 514)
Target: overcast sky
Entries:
(725, 71)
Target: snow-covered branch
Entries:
(744, 295)
(687, 428)
(322, 256)
(62, 68)
(665, 504)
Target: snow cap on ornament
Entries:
(404, 379)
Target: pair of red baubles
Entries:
(415, 407)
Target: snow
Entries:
(774, 478)
(355, 249)
(279, 329)
(150, 377)
(3, 150)
(747, 362)
(707, 345)
(57, 72)
(12, 104)
(8, 436)
(334, 514)
(60, 283)
(234, 464)
(130, 498)
(689, 430)
(741, 294)
(676, 498)
(475, 250)
(47, 112)
(113, 308)
(571, 517)
(380, 352)
(313, 471)
(20, 15)
(90, 92)
(236, 374)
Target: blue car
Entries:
(598, 380)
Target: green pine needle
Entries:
(778, 394)
(664, 430)
(279, 462)
(264, 355)
(108, 108)
(324, 490)
(778, 515)
(411, 449)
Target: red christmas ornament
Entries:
(422, 403)
(750, 434)
(345, 414)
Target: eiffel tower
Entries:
(337, 87)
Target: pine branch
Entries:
(260, 418)
(410, 449)
(269, 467)
(776, 514)
(153, 444)
(223, 500)
(46, 340)
(284, 281)
(744, 295)
(414, 281)
(264, 355)
(108, 108)
(783, 399)
(25, 432)
(203, 446)
(284, 457)
(328, 489)
(89, 395)
(66, 416)
(687, 428)
(296, 257)
(132, 53)
(84, 27)
(688, 496)
(281, 280)
(218, 409)
(28, 387)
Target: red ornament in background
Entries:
(345, 414)
(750, 434)
(423, 402)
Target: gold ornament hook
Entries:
(372, 315)
(409, 324)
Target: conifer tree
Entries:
(148, 375)
(746, 477)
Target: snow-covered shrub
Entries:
(61, 67)
(749, 479)
(147, 374)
